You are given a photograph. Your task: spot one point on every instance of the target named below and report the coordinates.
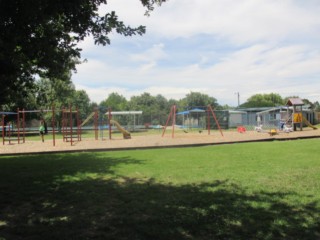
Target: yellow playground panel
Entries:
(297, 118)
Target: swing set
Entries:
(172, 117)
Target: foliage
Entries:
(264, 100)
(115, 101)
(154, 108)
(220, 192)
(61, 94)
(40, 37)
(197, 99)
(317, 106)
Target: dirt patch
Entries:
(179, 138)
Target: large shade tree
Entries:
(40, 37)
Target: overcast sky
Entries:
(216, 47)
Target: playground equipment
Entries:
(95, 116)
(287, 129)
(241, 129)
(297, 118)
(172, 117)
(126, 134)
(69, 135)
(273, 132)
(87, 119)
(24, 112)
(18, 134)
(287, 118)
(192, 118)
(8, 135)
(258, 128)
(130, 117)
(305, 121)
(102, 119)
(8, 132)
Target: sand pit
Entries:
(151, 141)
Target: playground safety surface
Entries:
(180, 139)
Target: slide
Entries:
(308, 123)
(126, 134)
(87, 119)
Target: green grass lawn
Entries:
(241, 191)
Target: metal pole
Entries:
(173, 120)
(238, 96)
(168, 119)
(216, 120)
(70, 112)
(109, 122)
(96, 124)
(24, 125)
(3, 127)
(208, 124)
(53, 127)
(18, 125)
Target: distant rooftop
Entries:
(295, 102)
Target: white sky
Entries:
(216, 47)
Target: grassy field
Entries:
(240, 191)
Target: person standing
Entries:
(41, 130)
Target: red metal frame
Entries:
(172, 116)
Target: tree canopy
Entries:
(197, 99)
(40, 37)
(264, 100)
(116, 101)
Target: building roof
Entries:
(195, 110)
(236, 112)
(295, 102)
(125, 113)
(254, 109)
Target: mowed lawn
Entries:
(241, 191)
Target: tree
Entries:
(263, 100)
(81, 100)
(155, 108)
(115, 101)
(62, 94)
(197, 99)
(317, 106)
(40, 37)
(143, 102)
